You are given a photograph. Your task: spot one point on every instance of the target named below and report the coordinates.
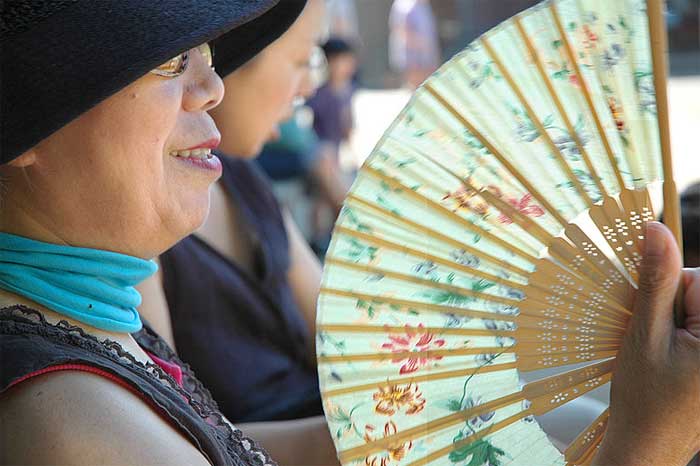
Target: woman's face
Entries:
(260, 94)
(116, 177)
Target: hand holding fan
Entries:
(496, 230)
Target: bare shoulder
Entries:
(80, 418)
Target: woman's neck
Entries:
(227, 231)
(16, 220)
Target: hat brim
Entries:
(241, 44)
(69, 62)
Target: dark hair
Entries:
(690, 218)
(336, 46)
(690, 213)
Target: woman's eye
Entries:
(173, 67)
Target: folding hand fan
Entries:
(494, 231)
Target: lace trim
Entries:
(203, 404)
(191, 383)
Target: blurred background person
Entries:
(332, 123)
(414, 49)
(332, 103)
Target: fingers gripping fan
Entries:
(494, 235)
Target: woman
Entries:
(105, 163)
(239, 296)
(94, 189)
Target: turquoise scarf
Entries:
(89, 285)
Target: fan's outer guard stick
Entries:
(586, 443)
(672, 214)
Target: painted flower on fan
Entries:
(590, 37)
(485, 358)
(465, 199)
(573, 80)
(616, 113)
(393, 454)
(341, 419)
(481, 419)
(461, 195)
(523, 206)
(462, 257)
(414, 340)
(612, 56)
(392, 398)
(426, 267)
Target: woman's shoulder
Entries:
(69, 379)
(82, 418)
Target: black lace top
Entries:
(29, 343)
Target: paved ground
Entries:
(375, 110)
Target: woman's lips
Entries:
(212, 144)
(210, 162)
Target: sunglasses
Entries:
(178, 64)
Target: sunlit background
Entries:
(380, 99)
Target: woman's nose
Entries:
(205, 90)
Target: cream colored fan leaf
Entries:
(493, 234)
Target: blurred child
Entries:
(332, 104)
(333, 122)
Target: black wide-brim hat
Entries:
(59, 58)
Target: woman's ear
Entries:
(24, 160)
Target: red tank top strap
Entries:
(93, 370)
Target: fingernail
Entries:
(654, 243)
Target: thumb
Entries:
(658, 279)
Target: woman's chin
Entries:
(191, 215)
(246, 152)
(252, 155)
(244, 148)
